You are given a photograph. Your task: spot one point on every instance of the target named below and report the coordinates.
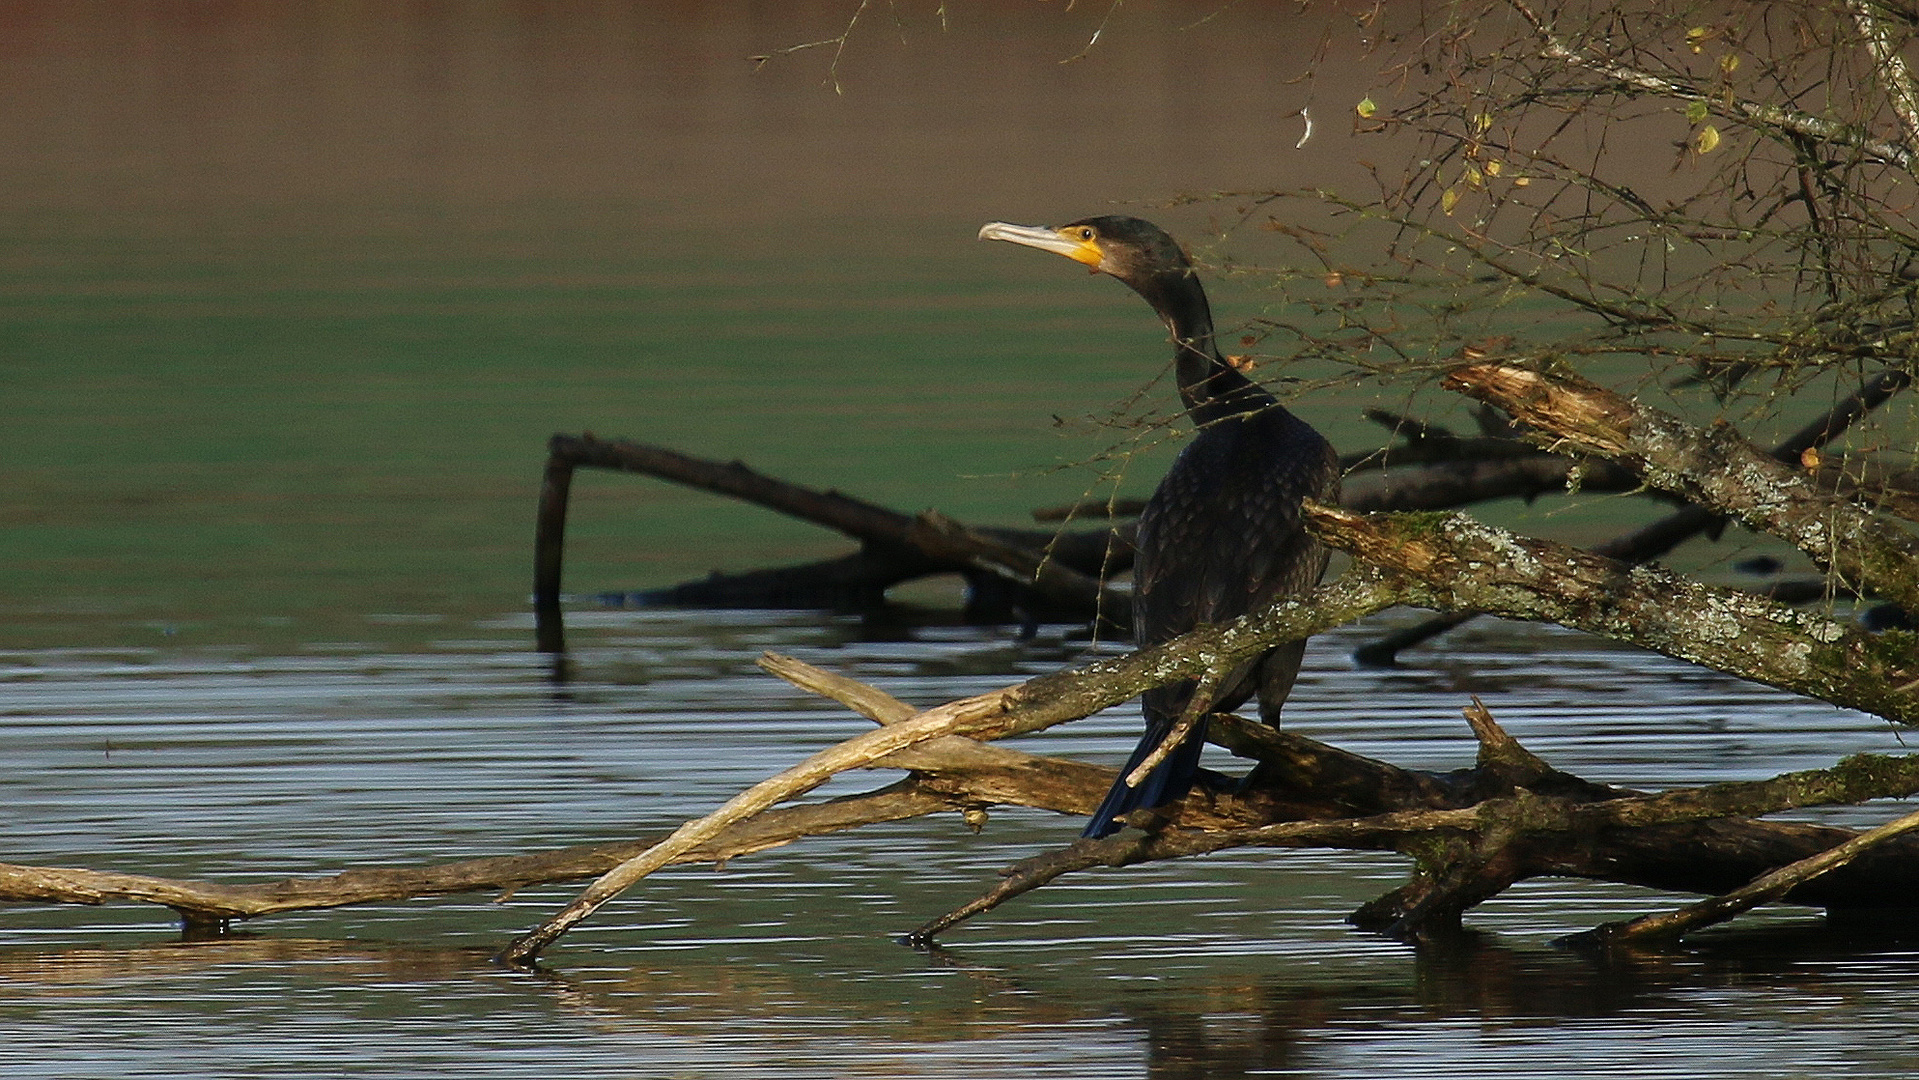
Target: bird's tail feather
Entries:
(1168, 781)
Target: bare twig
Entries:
(1895, 78)
(838, 42)
(1758, 113)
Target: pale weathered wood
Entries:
(1031, 706)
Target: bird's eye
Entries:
(1085, 233)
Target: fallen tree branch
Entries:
(1492, 843)
(1453, 563)
(1464, 482)
(1530, 819)
(1651, 541)
(1031, 706)
(1714, 468)
(1449, 562)
(209, 906)
(1763, 889)
(1051, 573)
(943, 538)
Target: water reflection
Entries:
(246, 767)
(1473, 1010)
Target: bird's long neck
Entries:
(1211, 388)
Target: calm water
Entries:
(247, 767)
(291, 296)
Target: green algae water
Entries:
(290, 301)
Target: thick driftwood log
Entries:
(1766, 887)
(1474, 832)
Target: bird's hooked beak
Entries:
(1079, 245)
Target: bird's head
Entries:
(1140, 254)
(1134, 251)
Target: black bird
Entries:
(1221, 536)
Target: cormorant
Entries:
(1221, 535)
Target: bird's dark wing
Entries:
(1223, 533)
(1222, 536)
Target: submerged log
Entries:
(1012, 575)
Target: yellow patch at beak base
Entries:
(1085, 251)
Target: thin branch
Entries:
(837, 42)
(1759, 114)
(1111, 10)
(1196, 707)
(1895, 78)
